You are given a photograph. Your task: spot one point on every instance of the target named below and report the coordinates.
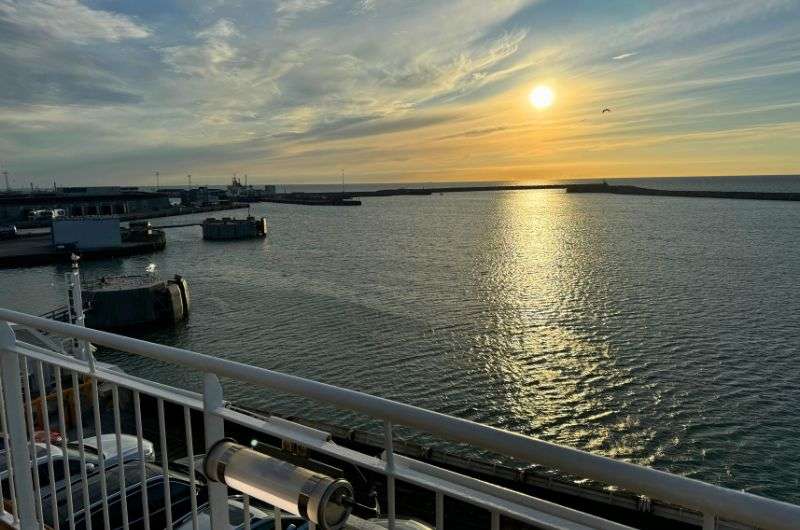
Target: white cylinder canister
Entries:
(325, 501)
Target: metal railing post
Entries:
(15, 423)
(215, 430)
(78, 318)
(390, 484)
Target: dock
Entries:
(39, 250)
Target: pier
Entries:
(91, 238)
(39, 250)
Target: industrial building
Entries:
(86, 234)
(79, 202)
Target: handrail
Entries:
(690, 493)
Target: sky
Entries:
(107, 92)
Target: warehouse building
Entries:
(81, 202)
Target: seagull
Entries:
(150, 268)
(605, 110)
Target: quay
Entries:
(38, 250)
(184, 210)
(92, 238)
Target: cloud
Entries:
(362, 127)
(676, 21)
(61, 52)
(289, 10)
(204, 58)
(474, 133)
(364, 6)
(299, 6)
(444, 75)
(70, 21)
(385, 88)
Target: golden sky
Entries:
(295, 91)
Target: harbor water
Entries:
(660, 330)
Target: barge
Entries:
(229, 228)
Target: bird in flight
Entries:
(605, 110)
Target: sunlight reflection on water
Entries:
(659, 330)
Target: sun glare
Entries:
(541, 97)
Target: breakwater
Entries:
(706, 194)
(451, 189)
(309, 198)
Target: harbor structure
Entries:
(92, 238)
(202, 196)
(81, 202)
(118, 302)
(230, 228)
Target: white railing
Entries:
(24, 365)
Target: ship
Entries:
(84, 444)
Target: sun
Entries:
(541, 97)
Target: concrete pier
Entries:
(39, 250)
(125, 302)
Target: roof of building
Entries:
(60, 198)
